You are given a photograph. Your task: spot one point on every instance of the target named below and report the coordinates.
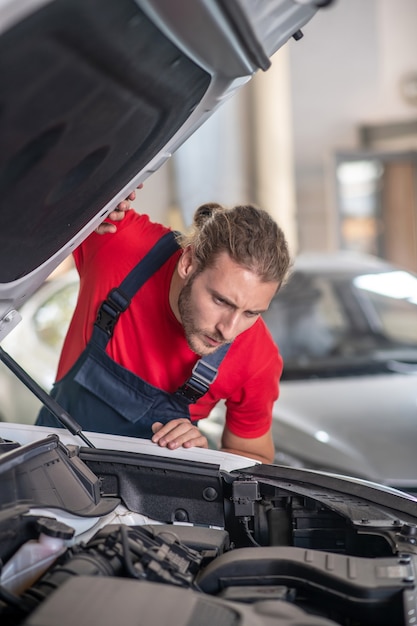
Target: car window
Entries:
(399, 319)
(305, 318)
(393, 297)
(53, 316)
(333, 321)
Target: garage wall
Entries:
(345, 72)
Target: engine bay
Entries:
(259, 545)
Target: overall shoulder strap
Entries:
(203, 375)
(119, 298)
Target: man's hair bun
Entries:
(204, 212)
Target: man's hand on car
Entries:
(177, 433)
(116, 215)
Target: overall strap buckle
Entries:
(204, 373)
(119, 298)
(109, 311)
(198, 384)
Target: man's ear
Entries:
(186, 263)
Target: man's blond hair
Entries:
(248, 234)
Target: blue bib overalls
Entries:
(103, 396)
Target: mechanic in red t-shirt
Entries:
(205, 298)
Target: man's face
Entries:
(219, 303)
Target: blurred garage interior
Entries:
(325, 140)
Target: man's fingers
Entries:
(176, 433)
(117, 214)
(169, 431)
(197, 442)
(105, 227)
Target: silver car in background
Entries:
(346, 326)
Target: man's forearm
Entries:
(252, 455)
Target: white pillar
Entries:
(273, 149)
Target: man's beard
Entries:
(193, 334)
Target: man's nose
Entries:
(228, 325)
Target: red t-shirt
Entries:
(149, 340)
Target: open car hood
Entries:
(96, 95)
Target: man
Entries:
(178, 328)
